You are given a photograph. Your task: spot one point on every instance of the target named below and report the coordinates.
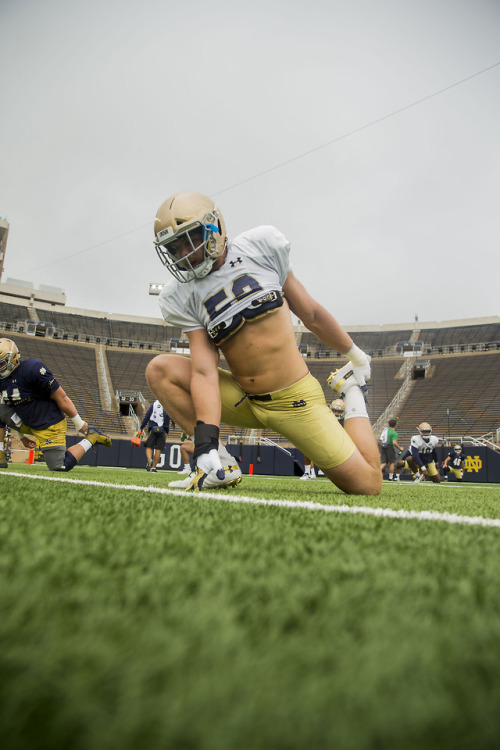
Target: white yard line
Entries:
(423, 515)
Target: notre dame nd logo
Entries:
(473, 463)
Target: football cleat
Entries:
(149, 464)
(96, 436)
(341, 380)
(198, 480)
(182, 484)
(3, 460)
(418, 478)
(306, 476)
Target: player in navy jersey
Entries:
(234, 297)
(33, 403)
(454, 464)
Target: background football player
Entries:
(454, 464)
(236, 296)
(423, 457)
(33, 403)
(157, 423)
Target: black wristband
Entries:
(206, 437)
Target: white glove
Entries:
(360, 364)
(210, 461)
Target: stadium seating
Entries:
(466, 385)
(12, 313)
(462, 376)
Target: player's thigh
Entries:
(170, 367)
(302, 416)
(431, 469)
(6, 413)
(54, 457)
(51, 437)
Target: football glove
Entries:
(360, 364)
(206, 450)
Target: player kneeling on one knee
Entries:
(234, 297)
(36, 406)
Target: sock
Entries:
(391, 476)
(187, 467)
(354, 402)
(86, 444)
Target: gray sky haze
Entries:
(367, 131)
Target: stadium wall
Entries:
(482, 464)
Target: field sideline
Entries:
(281, 614)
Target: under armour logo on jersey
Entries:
(232, 263)
(297, 404)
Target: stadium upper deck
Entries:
(125, 345)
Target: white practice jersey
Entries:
(257, 262)
(419, 443)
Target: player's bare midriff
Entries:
(263, 355)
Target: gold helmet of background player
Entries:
(425, 431)
(195, 218)
(9, 357)
(337, 406)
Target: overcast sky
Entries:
(305, 115)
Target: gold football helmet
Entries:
(337, 407)
(9, 357)
(425, 431)
(457, 449)
(191, 218)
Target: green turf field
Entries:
(132, 619)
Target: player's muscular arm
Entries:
(67, 407)
(314, 316)
(205, 378)
(64, 402)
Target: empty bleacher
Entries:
(127, 370)
(12, 313)
(467, 385)
(375, 343)
(463, 374)
(459, 336)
